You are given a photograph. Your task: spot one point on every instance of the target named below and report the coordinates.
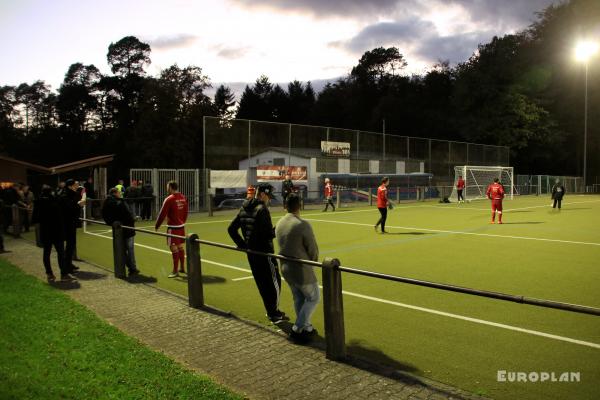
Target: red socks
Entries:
(175, 256)
(181, 260)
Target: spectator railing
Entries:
(333, 307)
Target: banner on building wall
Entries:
(335, 149)
(278, 172)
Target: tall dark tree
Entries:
(224, 102)
(128, 56)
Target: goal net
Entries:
(477, 179)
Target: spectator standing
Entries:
(297, 240)
(71, 203)
(132, 196)
(287, 187)
(48, 214)
(120, 186)
(254, 220)
(328, 192)
(558, 191)
(113, 210)
(147, 198)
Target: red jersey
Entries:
(460, 185)
(175, 209)
(495, 191)
(382, 196)
(328, 190)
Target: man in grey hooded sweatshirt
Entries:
(297, 240)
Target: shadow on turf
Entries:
(523, 223)
(140, 278)
(65, 285)
(207, 279)
(407, 233)
(88, 275)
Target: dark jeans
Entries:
(268, 281)
(60, 255)
(146, 209)
(71, 244)
(557, 201)
(460, 195)
(383, 212)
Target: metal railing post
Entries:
(370, 196)
(333, 309)
(301, 199)
(194, 269)
(210, 205)
(118, 250)
(397, 195)
(16, 221)
(338, 200)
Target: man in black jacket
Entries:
(258, 233)
(115, 209)
(287, 187)
(71, 203)
(147, 197)
(558, 191)
(48, 213)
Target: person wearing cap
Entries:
(254, 220)
(328, 195)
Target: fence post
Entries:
(210, 204)
(338, 199)
(118, 250)
(301, 199)
(194, 269)
(16, 221)
(397, 195)
(370, 196)
(333, 309)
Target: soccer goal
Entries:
(477, 179)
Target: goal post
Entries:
(478, 178)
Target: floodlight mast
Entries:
(583, 52)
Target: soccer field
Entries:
(457, 339)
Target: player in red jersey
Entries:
(495, 192)
(382, 203)
(175, 210)
(328, 194)
(460, 186)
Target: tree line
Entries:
(521, 90)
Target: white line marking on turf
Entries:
(409, 228)
(244, 278)
(417, 308)
(476, 320)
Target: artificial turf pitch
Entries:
(457, 339)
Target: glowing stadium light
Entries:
(584, 50)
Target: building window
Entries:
(279, 161)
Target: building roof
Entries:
(316, 153)
(60, 169)
(34, 167)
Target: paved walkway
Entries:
(249, 359)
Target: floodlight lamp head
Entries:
(585, 50)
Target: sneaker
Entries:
(277, 317)
(50, 277)
(134, 272)
(182, 271)
(67, 278)
(74, 268)
(173, 275)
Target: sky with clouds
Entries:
(236, 41)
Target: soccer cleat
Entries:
(375, 228)
(173, 275)
(499, 222)
(182, 271)
(492, 222)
